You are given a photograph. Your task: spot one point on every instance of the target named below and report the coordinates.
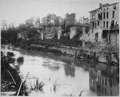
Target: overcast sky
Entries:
(16, 11)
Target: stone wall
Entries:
(114, 39)
(72, 32)
(59, 32)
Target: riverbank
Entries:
(107, 56)
(104, 54)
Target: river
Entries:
(60, 76)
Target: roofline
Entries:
(114, 3)
(93, 10)
(102, 5)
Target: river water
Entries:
(60, 76)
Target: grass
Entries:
(55, 85)
(38, 86)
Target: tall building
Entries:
(70, 18)
(104, 23)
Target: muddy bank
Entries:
(104, 56)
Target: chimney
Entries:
(100, 5)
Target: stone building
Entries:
(50, 32)
(84, 20)
(73, 32)
(104, 23)
(84, 36)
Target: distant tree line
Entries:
(33, 26)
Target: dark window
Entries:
(103, 23)
(104, 34)
(98, 23)
(113, 14)
(100, 16)
(112, 24)
(107, 15)
(92, 24)
(104, 15)
(107, 24)
(96, 37)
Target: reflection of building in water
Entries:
(69, 70)
(54, 68)
(102, 83)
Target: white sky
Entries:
(16, 11)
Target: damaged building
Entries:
(104, 24)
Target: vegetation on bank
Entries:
(10, 36)
(32, 28)
(10, 78)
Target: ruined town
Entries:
(54, 56)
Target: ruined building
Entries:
(84, 20)
(104, 23)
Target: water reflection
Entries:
(54, 74)
(51, 65)
(69, 70)
(104, 82)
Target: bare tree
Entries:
(37, 22)
(4, 24)
(29, 23)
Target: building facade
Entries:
(104, 23)
(84, 20)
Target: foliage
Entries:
(30, 31)
(29, 23)
(51, 20)
(9, 35)
(38, 86)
